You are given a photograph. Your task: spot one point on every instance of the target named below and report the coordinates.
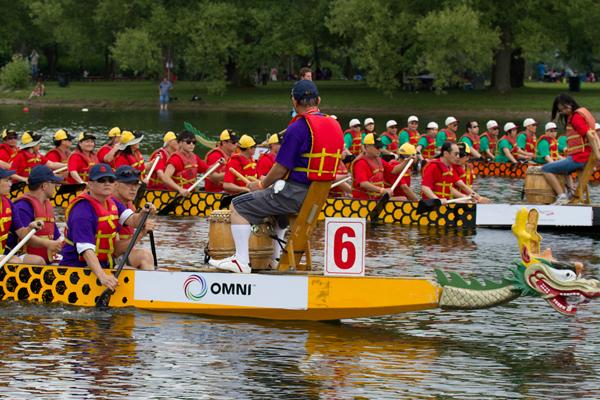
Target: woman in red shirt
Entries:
(8, 147)
(29, 155)
(129, 152)
(82, 159)
(184, 165)
(107, 152)
(62, 146)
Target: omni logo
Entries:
(195, 287)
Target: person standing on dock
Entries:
(225, 148)
(547, 145)
(489, 140)
(170, 146)
(311, 150)
(242, 162)
(184, 165)
(448, 134)
(471, 137)
(8, 148)
(267, 160)
(107, 152)
(29, 155)
(164, 87)
(81, 160)
(410, 134)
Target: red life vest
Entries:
(186, 176)
(465, 174)
(5, 222)
(57, 155)
(493, 140)
(326, 149)
(442, 188)
(11, 151)
(135, 160)
(376, 178)
(209, 185)
(530, 142)
(575, 142)
(413, 135)
(31, 160)
(512, 141)
(391, 178)
(474, 138)
(394, 139)
(265, 163)
(450, 136)
(108, 220)
(45, 214)
(248, 168)
(155, 182)
(127, 231)
(553, 143)
(429, 151)
(356, 141)
(84, 172)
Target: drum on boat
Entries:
(221, 245)
(537, 189)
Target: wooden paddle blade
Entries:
(139, 195)
(428, 205)
(170, 206)
(374, 214)
(70, 188)
(104, 299)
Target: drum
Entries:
(221, 245)
(537, 189)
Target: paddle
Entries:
(338, 183)
(172, 205)
(374, 214)
(243, 178)
(104, 298)
(139, 195)
(19, 245)
(153, 249)
(428, 205)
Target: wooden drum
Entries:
(221, 245)
(537, 189)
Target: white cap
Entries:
(391, 122)
(432, 125)
(333, 116)
(450, 120)
(369, 121)
(491, 124)
(413, 118)
(353, 122)
(597, 126)
(552, 125)
(508, 126)
(528, 121)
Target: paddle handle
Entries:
(61, 169)
(459, 199)
(406, 167)
(338, 183)
(152, 168)
(207, 173)
(241, 177)
(17, 247)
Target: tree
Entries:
(134, 50)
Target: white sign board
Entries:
(504, 215)
(345, 246)
(251, 290)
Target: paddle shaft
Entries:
(374, 214)
(399, 178)
(61, 169)
(206, 174)
(153, 249)
(17, 247)
(241, 177)
(459, 199)
(154, 164)
(338, 183)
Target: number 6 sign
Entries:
(345, 246)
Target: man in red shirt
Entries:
(242, 162)
(184, 165)
(224, 149)
(170, 147)
(8, 148)
(266, 160)
(439, 177)
(29, 155)
(107, 153)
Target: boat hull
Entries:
(510, 170)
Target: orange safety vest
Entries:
(413, 136)
(442, 188)
(90, 160)
(530, 142)
(45, 214)
(248, 168)
(553, 145)
(11, 151)
(108, 220)
(429, 151)
(450, 136)
(155, 182)
(265, 163)
(356, 141)
(327, 144)
(127, 231)
(31, 160)
(575, 142)
(394, 138)
(465, 174)
(186, 176)
(475, 139)
(62, 156)
(376, 178)
(5, 222)
(492, 139)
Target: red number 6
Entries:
(339, 245)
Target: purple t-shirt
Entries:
(24, 212)
(82, 225)
(296, 141)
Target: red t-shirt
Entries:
(391, 178)
(56, 156)
(236, 164)
(265, 163)
(104, 150)
(581, 127)
(22, 166)
(211, 158)
(432, 174)
(362, 172)
(7, 153)
(78, 164)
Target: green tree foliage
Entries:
(134, 50)
(15, 74)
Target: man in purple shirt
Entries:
(272, 195)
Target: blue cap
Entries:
(127, 174)
(42, 173)
(305, 90)
(99, 171)
(5, 173)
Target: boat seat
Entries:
(582, 192)
(302, 226)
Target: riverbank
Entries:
(338, 96)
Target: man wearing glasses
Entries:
(488, 140)
(184, 165)
(224, 149)
(471, 137)
(439, 179)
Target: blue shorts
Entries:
(164, 98)
(562, 167)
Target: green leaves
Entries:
(134, 50)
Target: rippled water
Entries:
(523, 350)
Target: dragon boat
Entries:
(510, 170)
(310, 295)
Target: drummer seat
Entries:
(302, 227)
(582, 192)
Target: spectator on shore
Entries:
(163, 91)
(39, 90)
(34, 59)
(274, 74)
(305, 74)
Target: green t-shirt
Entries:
(422, 142)
(543, 150)
(404, 137)
(500, 156)
(440, 139)
(522, 141)
(386, 141)
(484, 144)
(466, 140)
(348, 139)
(562, 143)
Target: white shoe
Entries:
(562, 199)
(234, 266)
(215, 263)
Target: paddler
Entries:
(283, 190)
(582, 140)
(29, 155)
(471, 137)
(369, 169)
(369, 125)
(527, 140)
(170, 146)
(225, 148)
(448, 134)
(126, 187)
(426, 148)
(106, 153)
(410, 134)
(547, 145)
(507, 146)
(34, 206)
(353, 137)
(389, 139)
(63, 141)
(489, 140)
(465, 173)
(8, 148)
(242, 162)
(184, 165)
(439, 178)
(403, 192)
(129, 152)
(81, 160)
(267, 160)
(93, 220)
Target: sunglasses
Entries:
(106, 179)
(190, 141)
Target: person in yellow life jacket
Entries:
(439, 178)
(242, 162)
(403, 191)
(489, 140)
(464, 171)
(29, 156)
(93, 221)
(410, 134)
(389, 139)
(353, 137)
(267, 160)
(527, 140)
(126, 186)
(170, 146)
(311, 151)
(426, 148)
(369, 169)
(81, 160)
(35, 206)
(129, 152)
(447, 134)
(184, 165)
(106, 153)
(472, 139)
(547, 145)
(8, 147)
(225, 148)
